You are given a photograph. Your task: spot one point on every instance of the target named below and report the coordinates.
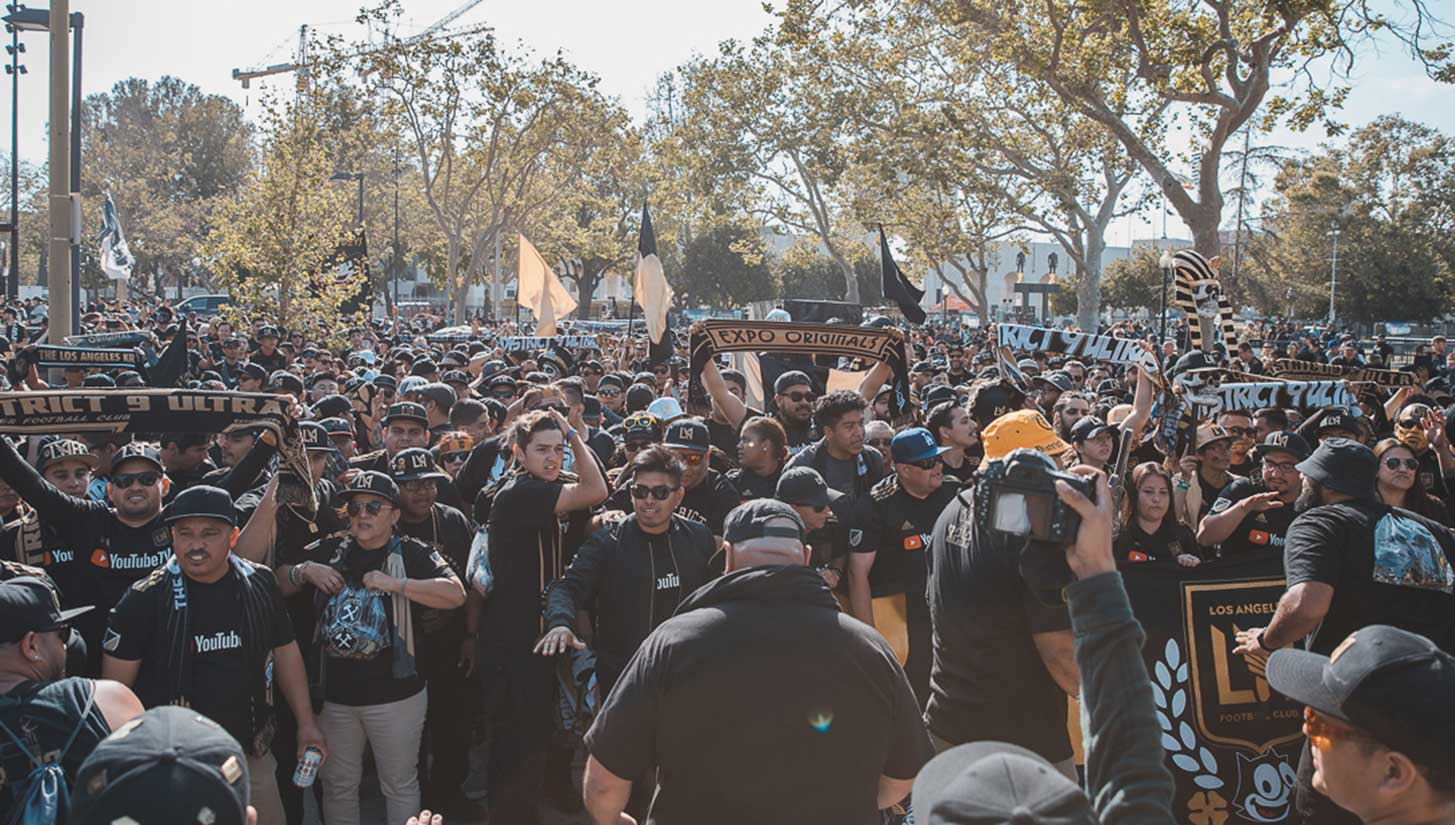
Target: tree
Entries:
(804, 271)
(725, 266)
(764, 123)
(1214, 62)
(1390, 191)
(270, 243)
(480, 121)
(1135, 282)
(170, 155)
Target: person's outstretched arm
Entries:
(1125, 776)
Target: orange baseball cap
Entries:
(1020, 429)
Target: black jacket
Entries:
(612, 576)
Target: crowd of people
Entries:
(786, 604)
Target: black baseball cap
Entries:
(997, 782)
(383, 380)
(140, 451)
(29, 605)
(1284, 441)
(1390, 683)
(688, 434)
(502, 381)
(315, 437)
(762, 518)
(201, 501)
(170, 764)
(792, 378)
(938, 395)
(642, 426)
(1055, 380)
(371, 482)
(62, 449)
(337, 426)
(252, 370)
(991, 401)
(1088, 427)
(267, 331)
(1344, 466)
(331, 406)
(406, 410)
(805, 487)
(413, 463)
(286, 382)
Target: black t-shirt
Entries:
(808, 708)
(1134, 545)
(1387, 566)
(708, 503)
(961, 476)
(750, 485)
(271, 363)
(988, 680)
(1257, 531)
(221, 684)
(371, 681)
(528, 551)
(898, 527)
(1210, 493)
(46, 715)
(447, 532)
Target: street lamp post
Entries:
(15, 70)
(20, 17)
(1333, 271)
(1166, 263)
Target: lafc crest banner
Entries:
(711, 337)
(1231, 743)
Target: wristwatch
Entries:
(1259, 640)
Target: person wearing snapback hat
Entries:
(887, 562)
(1204, 473)
(37, 699)
(372, 585)
(1377, 714)
(117, 542)
(406, 425)
(1249, 516)
(446, 658)
(766, 630)
(1351, 561)
(826, 516)
(267, 355)
(707, 495)
(209, 631)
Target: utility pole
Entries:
(1333, 271)
(15, 70)
(1242, 197)
(77, 23)
(62, 202)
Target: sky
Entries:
(628, 43)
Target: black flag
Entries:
(898, 287)
(172, 365)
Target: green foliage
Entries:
(1134, 282)
(269, 245)
(724, 267)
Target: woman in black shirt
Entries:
(1150, 530)
(1398, 481)
(762, 452)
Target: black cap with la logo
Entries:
(413, 463)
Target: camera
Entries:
(1021, 499)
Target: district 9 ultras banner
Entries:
(1231, 743)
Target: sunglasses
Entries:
(146, 479)
(1394, 463)
(1322, 730)
(691, 459)
(1411, 424)
(373, 508)
(455, 455)
(799, 397)
(661, 492)
(610, 393)
(503, 395)
(925, 464)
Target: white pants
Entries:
(393, 730)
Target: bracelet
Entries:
(570, 434)
(1259, 640)
(294, 571)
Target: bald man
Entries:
(766, 648)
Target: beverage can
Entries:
(307, 769)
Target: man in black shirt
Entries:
(1249, 515)
(267, 355)
(811, 719)
(446, 658)
(708, 495)
(793, 397)
(840, 457)
(209, 631)
(826, 514)
(184, 456)
(1351, 562)
(118, 542)
(37, 700)
(887, 566)
(1213, 455)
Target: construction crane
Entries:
(300, 63)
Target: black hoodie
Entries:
(803, 708)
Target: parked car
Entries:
(204, 305)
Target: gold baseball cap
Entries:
(1020, 429)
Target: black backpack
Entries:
(43, 797)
